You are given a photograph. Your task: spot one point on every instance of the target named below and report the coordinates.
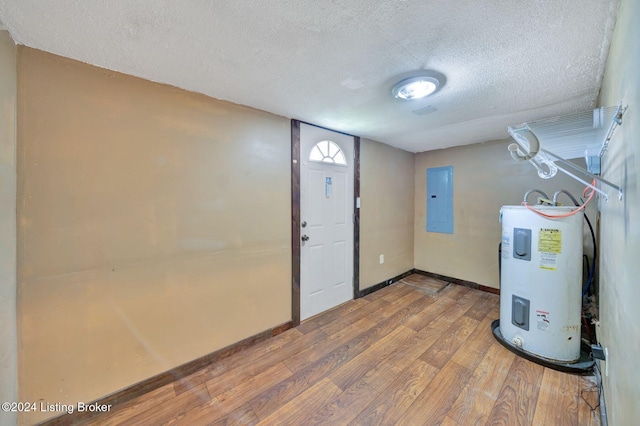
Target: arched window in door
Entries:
(327, 151)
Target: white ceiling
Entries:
(334, 62)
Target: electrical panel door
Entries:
(440, 199)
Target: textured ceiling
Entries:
(333, 63)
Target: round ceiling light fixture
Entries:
(417, 87)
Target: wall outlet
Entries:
(381, 259)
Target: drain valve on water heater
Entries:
(517, 340)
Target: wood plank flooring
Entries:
(403, 355)
(430, 284)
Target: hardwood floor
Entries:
(401, 355)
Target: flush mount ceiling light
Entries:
(417, 87)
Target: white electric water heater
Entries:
(541, 281)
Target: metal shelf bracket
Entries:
(573, 132)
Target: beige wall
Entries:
(154, 227)
(8, 347)
(620, 225)
(485, 178)
(386, 213)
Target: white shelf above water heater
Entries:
(548, 144)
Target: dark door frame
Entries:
(295, 217)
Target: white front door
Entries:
(326, 218)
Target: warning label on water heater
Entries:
(505, 248)
(542, 318)
(549, 247)
(550, 241)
